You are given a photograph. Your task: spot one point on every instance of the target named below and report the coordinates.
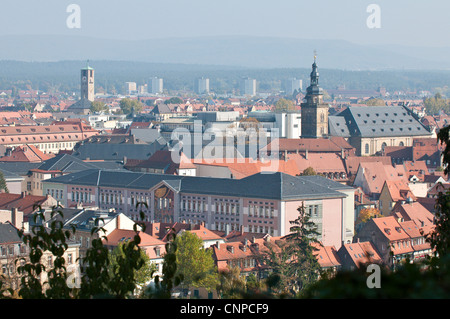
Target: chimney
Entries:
(306, 154)
(227, 229)
(118, 222)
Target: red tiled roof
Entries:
(399, 190)
(24, 203)
(352, 162)
(362, 253)
(326, 256)
(26, 153)
(390, 228)
(320, 162)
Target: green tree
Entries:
(309, 171)
(129, 106)
(374, 102)
(303, 237)
(231, 284)
(142, 275)
(435, 104)
(174, 100)
(3, 185)
(98, 106)
(195, 263)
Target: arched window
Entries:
(383, 146)
(367, 148)
(322, 117)
(401, 144)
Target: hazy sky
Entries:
(407, 22)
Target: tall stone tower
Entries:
(87, 83)
(314, 110)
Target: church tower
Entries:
(314, 110)
(87, 83)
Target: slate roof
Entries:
(270, 186)
(377, 121)
(110, 152)
(8, 234)
(82, 104)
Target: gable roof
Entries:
(376, 173)
(361, 253)
(24, 203)
(399, 190)
(9, 234)
(26, 153)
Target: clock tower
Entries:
(314, 110)
(87, 83)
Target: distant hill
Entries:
(238, 51)
(65, 76)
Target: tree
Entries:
(374, 102)
(309, 171)
(435, 104)
(303, 238)
(366, 214)
(3, 185)
(129, 106)
(98, 106)
(98, 281)
(195, 263)
(231, 284)
(283, 105)
(174, 100)
(142, 276)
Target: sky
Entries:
(404, 22)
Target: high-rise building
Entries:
(156, 85)
(314, 110)
(248, 86)
(292, 84)
(130, 87)
(202, 86)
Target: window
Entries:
(366, 148)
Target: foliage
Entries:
(170, 279)
(41, 240)
(101, 277)
(129, 106)
(98, 106)
(309, 171)
(436, 104)
(3, 185)
(366, 214)
(195, 263)
(284, 105)
(174, 100)
(118, 258)
(231, 284)
(374, 102)
(303, 238)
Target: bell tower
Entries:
(87, 83)
(314, 110)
